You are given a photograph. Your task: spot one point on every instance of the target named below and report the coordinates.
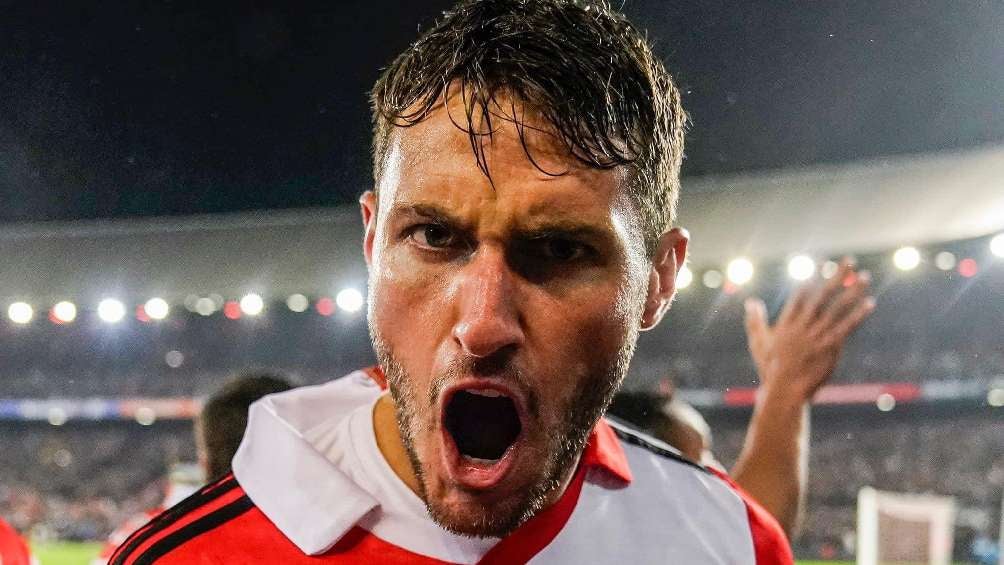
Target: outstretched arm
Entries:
(794, 358)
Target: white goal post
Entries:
(904, 528)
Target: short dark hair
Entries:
(224, 416)
(579, 64)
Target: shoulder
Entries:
(668, 484)
(213, 508)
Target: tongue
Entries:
(482, 427)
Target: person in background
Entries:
(794, 358)
(221, 423)
(13, 549)
(218, 432)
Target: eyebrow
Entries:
(530, 229)
(427, 211)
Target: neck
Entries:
(388, 438)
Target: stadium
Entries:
(914, 408)
(118, 320)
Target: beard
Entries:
(559, 448)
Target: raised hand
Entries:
(797, 355)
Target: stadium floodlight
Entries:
(156, 308)
(297, 303)
(828, 269)
(252, 304)
(801, 267)
(944, 261)
(145, 416)
(205, 306)
(64, 312)
(684, 277)
(349, 299)
(712, 279)
(906, 258)
(885, 402)
(111, 310)
(57, 416)
(20, 312)
(174, 358)
(997, 245)
(740, 271)
(995, 397)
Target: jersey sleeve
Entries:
(770, 544)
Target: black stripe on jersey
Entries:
(631, 435)
(196, 528)
(204, 495)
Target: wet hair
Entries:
(225, 416)
(578, 64)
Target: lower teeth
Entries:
(478, 461)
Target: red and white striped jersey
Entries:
(632, 500)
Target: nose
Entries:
(489, 317)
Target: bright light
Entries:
(145, 416)
(205, 306)
(885, 402)
(349, 299)
(174, 358)
(995, 397)
(156, 308)
(829, 269)
(57, 416)
(20, 312)
(968, 267)
(111, 310)
(325, 306)
(252, 304)
(684, 277)
(297, 303)
(64, 312)
(232, 310)
(944, 261)
(997, 245)
(906, 258)
(740, 271)
(801, 267)
(712, 279)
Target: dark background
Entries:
(125, 109)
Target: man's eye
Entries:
(562, 250)
(434, 235)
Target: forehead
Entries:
(433, 163)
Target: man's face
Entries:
(504, 317)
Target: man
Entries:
(218, 431)
(526, 159)
(13, 549)
(794, 358)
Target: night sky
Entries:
(152, 108)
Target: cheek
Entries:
(404, 302)
(583, 334)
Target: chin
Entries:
(467, 515)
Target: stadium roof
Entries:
(858, 207)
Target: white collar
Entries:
(279, 471)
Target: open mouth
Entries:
(483, 423)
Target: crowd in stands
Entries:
(79, 481)
(936, 451)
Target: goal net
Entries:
(904, 529)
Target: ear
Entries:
(368, 208)
(669, 257)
